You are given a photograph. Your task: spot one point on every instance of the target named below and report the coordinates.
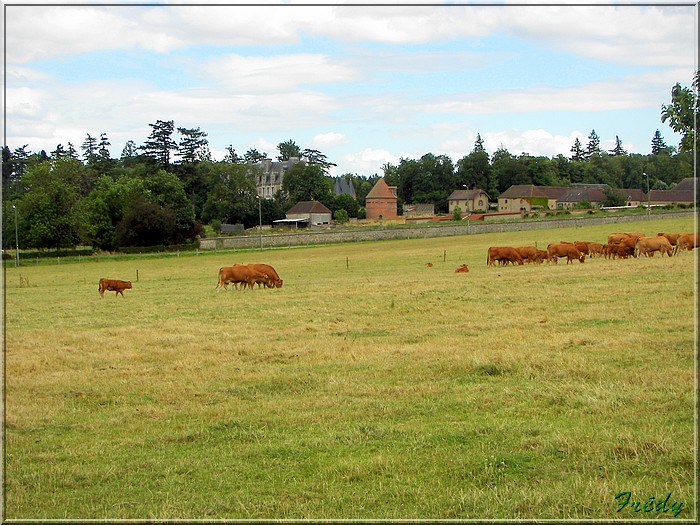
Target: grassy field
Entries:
(368, 386)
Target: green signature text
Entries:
(624, 499)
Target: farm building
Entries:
(468, 200)
(681, 193)
(526, 197)
(312, 211)
(381, 201)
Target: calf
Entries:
(113, 285)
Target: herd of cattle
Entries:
(620, 245)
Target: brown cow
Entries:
(462, 269)
(274, 278)
(687, 241)
(554, 251)
(113, 285)
(503, 255)
(648, 245)
(582, 247)
(528, 253)
(616, 238)
(240, 274)
(629, 242)
(620, 251)
(595, 248)
(541, 256)
(672, 237)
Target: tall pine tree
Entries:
(160, 143)
(658, 145)
(618, 150)
(593, 147)
(577, 150)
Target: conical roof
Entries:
(381, 191)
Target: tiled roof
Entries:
(575, 193)
(520, 191)
(308, 207)
(380, 191)
(686, 184)
(673, 195)
(460, 195)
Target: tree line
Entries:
(165, 190)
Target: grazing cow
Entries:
(595, 248)
(503, 255)
(113, 285)
(429, 265)
(629, 242)
(672, 237)
(648, 245)
(274, 278)
(240, 274)
(541, 256)
(554, 251)
(462, 269)
(528, 253)
(687, 241)
(620, 251)
(616, 238)
(582, 247)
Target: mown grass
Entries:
(369, 386)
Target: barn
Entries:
(313, 211)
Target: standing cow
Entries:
(648, 245)
(113, 285)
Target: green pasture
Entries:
(369, 386)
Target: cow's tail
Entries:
(218, 284)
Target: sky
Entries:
(365, 85)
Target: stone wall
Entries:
(312, 237)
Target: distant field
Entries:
(369, 386)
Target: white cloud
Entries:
(629, 35)
(370, 160)
(328, 140)
(660, 35)
(274, 74)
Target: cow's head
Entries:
(128, 284)
(582, 258)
